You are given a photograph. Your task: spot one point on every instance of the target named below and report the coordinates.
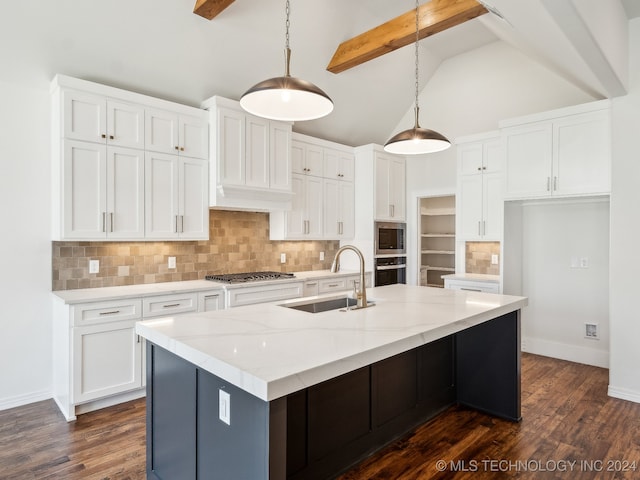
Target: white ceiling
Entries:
(159, 47)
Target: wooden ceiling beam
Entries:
(433, 17)
(210, 8)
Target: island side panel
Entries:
(171, 417)
(488, 367)
(186, 439)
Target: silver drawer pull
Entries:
(333, 285)
(312, 284)
(112, 312)
(212, 296)
(171, 305)
(471, 289)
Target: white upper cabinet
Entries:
(100, 137)
(252, 158)
(567, 152)
(323, 202)
(338, 165)
(169, 132)
(97, 119)
(175, 193)
(306, 158)
(480, 192)
(390, 187)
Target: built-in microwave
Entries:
(390, 238)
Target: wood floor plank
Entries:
(567, 417)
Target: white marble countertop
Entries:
(473, 277)
(84, 295)
(271, 351)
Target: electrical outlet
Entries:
(584, 262)
(322, 256)
(224, 411)
(591, 331)
(172, 262)
(94, 266)
(494, 259)
(283, 258)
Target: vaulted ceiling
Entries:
(161, 48)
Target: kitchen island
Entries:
(269, 392)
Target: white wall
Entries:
(624, 373)
(470, 94)
(25, 283)
(556, 235)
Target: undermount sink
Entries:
(325, 304)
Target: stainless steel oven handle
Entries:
(391, 267)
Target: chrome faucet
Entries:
(361, 295)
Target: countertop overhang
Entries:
(271, 351)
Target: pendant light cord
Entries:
(417, 71)
(287, 50)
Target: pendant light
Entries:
(286, 98)
(417, 140)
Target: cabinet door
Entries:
(193, 137)
(125, 124)
(107, 359)
(257, 152)
(347, 166)
(161, 195)
(296, 218)
(281, 151)
(492, 206)
(331, 164)
(314, 207)
(297, 157)
(84, 190)
(193, 200)
(397, 188)
(331, 204)
(347, 210)
(125, 193)
(84, 117)
(528, 154)
(470, 207)
(230, 150)
(383, 203)
(582, 154)
(314, 160)
(492, 156)
(161, 131)
(470, 158)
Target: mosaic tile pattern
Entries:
(238, 242)
(478, 257)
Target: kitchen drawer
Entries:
(310, 288)
(472, 286)
(163, 305)
(211, 300)
(237, 297)
(338, 284)
(103, 312)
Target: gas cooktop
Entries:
(249, 277)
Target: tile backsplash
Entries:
(478, 257)
(238, 242)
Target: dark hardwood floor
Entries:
(570, 429)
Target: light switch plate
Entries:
(224, 406)
(172, 262)
(322, 256)
(283, 258)
(494, 259)
(94, 266)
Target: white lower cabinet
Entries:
(163, 305)
(472, 286)
(211, 300)
(107, 359)
(239, 296)
(336, 283)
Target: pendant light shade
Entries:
(417, 140)
(286, 98)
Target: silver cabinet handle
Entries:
(392, 210)
(112, 312)
(471, 289)
(176, 228)
(182, 223)
(171, 305)
(104, 222)
(111, 220)
(555, 183)
(484, 227)
(216, 295)
(479, 232)
(333, 285)
(312, 284)
(548, 184)
(138, 338)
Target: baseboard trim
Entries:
(563, 351)
(624, 394)
(20, 400)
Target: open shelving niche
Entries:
(437, 239)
